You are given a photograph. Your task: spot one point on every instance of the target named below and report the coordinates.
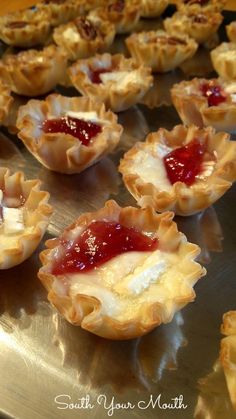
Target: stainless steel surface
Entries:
(42, 356)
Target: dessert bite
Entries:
(205, 102)
(185, 170)
(25, 28)
(153, 8)
(123, 14)
(84, 36)
(34, 72)
(224, 60)
(120, 272)
(62, 11)
(24, 217)
(228, 353)
(117, 81)
(159, 50)
(200, 26)
(201, 5)
(231, 31)
(67, 135)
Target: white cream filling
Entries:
(150, 167)
(71, 34)
(122, 78)
(134, 278)
(13, 219)
(87, 116)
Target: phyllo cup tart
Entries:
(25, 28)
(206, 102)
(228, 353)
(83, 37)
(201, 5)
(61, 11)
(117, 81)
(199, 26)
(224, 60)
(124, 14)
(65, 134)
(153, 8)
(159, 50)
(33, 72)
(231, 31)
(5, 101)
(120, 272)
(24, 217)
(184, 170)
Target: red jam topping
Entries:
(184, 163)
(85, 131)
(95, 74)
(117, 6)
(214, 93)
(100, 242)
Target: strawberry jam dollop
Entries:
(184, 163)
(214, 93)
(98, 243)
(84, 131)
(95, 74)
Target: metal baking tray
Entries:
(51, 369)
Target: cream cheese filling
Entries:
(121, 78)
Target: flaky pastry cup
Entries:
(224, 60)
(162, 55)
(61, 152)
(24, 217)
(192, 106)
(123, 14)
(117, 308)
(5, 101)
(231, 31)
(32, 72)
(199, 26)
(83, 37)
(145, 176)
(228, 353)
(62, 11)
(153, 8)
(202, 5)
(25, 28)
(117, 94)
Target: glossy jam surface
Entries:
(100, 242)
(84, 131)
(184, 163)
(95, 74)
(214, 93)
(117, 6)
(86, 29)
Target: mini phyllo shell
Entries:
(25, 28)
(184, 170)
(125, 290)
(24, 217)
(199, 26)
(231, 31)
(224, 60)
(83, 37)
(153, 8)
(201, 5)
(33, 72)
(68, 135)
(117, 81)
(206, 102)
(228, 353)
(61, 11)
(159, 50)
(5, 101)
(124, 14)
